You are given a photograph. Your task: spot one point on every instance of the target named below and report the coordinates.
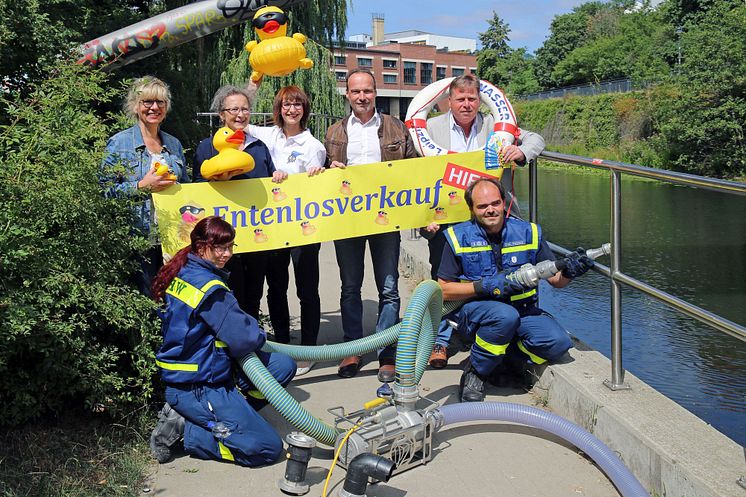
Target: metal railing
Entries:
(614, 272)
(612, 86)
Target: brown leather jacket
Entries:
(393, 135)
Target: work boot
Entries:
(438, 357)
(168, 431)
(471, 386)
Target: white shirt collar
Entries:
(375, 120)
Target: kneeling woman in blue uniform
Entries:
(204, 330)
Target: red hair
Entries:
(208, 232)
(291, 94)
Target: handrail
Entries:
(615, 273)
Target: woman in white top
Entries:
(294, 150)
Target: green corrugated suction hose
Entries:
(416, 334)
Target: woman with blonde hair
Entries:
(140, 150)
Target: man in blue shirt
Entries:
(501, 316)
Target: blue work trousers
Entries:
(384, 252)
(252, 440)
(492, 326)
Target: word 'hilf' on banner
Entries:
(340, 203)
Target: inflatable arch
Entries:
(171, 29)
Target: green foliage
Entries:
(79, 455)
(701, 116)
(73, 328)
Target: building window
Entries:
(410, 73)
(473, 70)
(389, 78)
(440, 73)
(389, 64)
(341, 75)
(426, 73)
(340, 60)
(364, 62)
(457, 71)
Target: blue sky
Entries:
(529, 20)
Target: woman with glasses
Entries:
(294, 150)
(204, 332)
(139, 151)
(247, 270)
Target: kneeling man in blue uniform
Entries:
(501, 317)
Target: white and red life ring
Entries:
(490, 95)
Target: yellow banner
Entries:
(339, 203)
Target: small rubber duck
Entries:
(307, 228)
(440, 214)
(345, 188)
(229, 159)
(278, 195)
(191, 213)
(453, 198)
(163, 170)
(260, 236)
(276, 54)
(382, 218)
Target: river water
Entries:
(688, 242)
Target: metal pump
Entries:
(529, 275)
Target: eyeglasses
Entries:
(223, 249)
(235, 110)
(287, 105)
(149, 103)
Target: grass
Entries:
(80, 455)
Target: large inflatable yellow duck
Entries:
(276, 54)
(229, 159)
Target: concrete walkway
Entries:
(478, 459)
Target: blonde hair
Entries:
(146, 88)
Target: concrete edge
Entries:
(670, 450)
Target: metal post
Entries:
(617, 372)
(533, 191)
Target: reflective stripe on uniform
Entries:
(535, 358)
(219, 344)
(458, 249)
(525, 295)
(178, 366)
(494, 349)
(190, 294)
(534, 245)
(256, 394)
(225, 452)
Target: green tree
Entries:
(74, 328)
(496, 37)
(498, 63)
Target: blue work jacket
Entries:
(203, 327)
(521, 242)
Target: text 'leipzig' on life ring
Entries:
(490, 95)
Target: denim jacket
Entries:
(128, 149)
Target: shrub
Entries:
(73, 328)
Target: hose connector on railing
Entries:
(363, 467)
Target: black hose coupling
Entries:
(361, 468)
(298, 455)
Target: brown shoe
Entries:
(349, 366)
(439, 357)
(386, 373)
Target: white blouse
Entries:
(294, 154)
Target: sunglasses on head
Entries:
(263, 19)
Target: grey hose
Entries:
(617, 472)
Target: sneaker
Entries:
(438, 357)
(168, 431)
(304, 367)
(471, 386)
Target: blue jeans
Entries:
(494, 326)
(384, 252)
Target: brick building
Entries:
(401, 69)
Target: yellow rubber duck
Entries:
(229, 159)
(276, 54)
